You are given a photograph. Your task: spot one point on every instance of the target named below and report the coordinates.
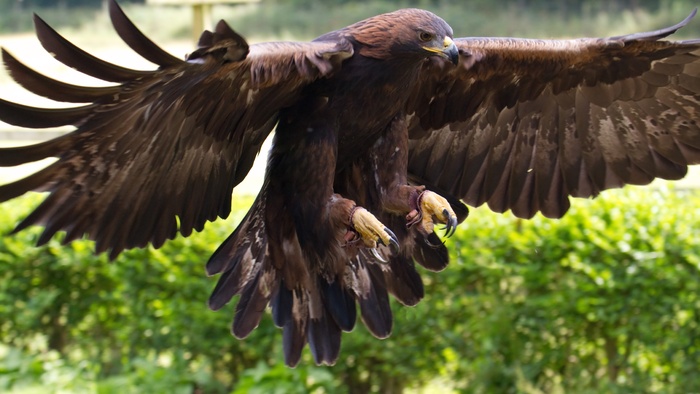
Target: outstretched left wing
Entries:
(161, 150)
(524, 124)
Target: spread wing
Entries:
(523, 124)
(159, 151)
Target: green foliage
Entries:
(279, 379)
(605, 300)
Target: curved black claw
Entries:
(451, 225)
(378, 256)
(393, 241)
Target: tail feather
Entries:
(400, 276)
(339, 302)
(430, 252)
(240, 259)
(281, 305)
(228, 253)
(294, 332)
(309, 302)
(226, 288)
(402, 280)
(324, 339)
(375, 309)
(254, 298)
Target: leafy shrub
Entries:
(604, 300)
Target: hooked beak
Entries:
(448, 50)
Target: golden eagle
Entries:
(382, 129)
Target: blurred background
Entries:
(606, 300)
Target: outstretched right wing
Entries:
(160, 151)
(523, 124)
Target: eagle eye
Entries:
(425, 36)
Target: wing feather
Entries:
(26, 154)
(635, 144)
(74, 57)
(42, 118)
(52, 89)
(137, 41)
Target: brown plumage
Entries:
(383, 125)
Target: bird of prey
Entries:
(383, 130)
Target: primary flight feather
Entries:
(382, 129)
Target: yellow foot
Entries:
(371, 231)
(433, 208)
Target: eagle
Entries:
(384, 131)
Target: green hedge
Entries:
(605, 300)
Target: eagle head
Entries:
(406, 33)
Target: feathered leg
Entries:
(389, 161)
(383, 175)
(378, 181)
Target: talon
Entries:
(454, 222)
(371, 230)
(450, 223)
(434, 209)
(378, 256)
(393, 241)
